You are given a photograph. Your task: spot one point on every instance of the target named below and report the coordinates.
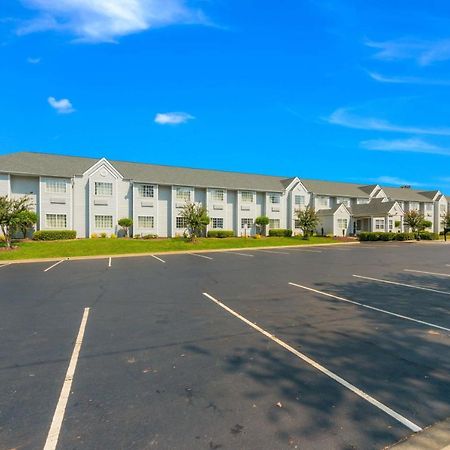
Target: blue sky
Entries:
(351, 90)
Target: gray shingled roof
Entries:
(335, 188)
(331, 211)
(376, 207)
(405, 194)
(67, 166)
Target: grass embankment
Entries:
(94, 247)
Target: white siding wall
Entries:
(29, 186)
(81, 206)
(4, 184)
(218, 209)
(246, 210)
(164, 208)
(55, 202)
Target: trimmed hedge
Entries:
(382, 236)
(220, 233)
(428, 236)
(281, 232)
(54, 235)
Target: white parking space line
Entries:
(109, 262)
(407, 423)
(58, 417)
(54, 265)
(159, 259)
(275, 253)
(306, 250)
(428, 273)
(326, 294)
(240, 254)
(402, 284)
(4, 265)
(200, 256)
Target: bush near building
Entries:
(54, 235)
(220, 233)
(381, 236)
(280, 232)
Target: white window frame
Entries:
(142, 219)
(299, 200)
(100, 187)
(217, 223)
(146, 191)
(180, 223)
(218, 195)
(323, 200)
(362, 201)
(247, 197)
(55, 186)
(414, 206)
(379, 224)
(247, 221)
(57, 217)
(101, 219)
(342, 223)
(274, 198)
(183, 194)
(272, 226)
(343, 201)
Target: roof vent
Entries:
(405, 186)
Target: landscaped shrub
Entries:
(113, 236)
(381, 236)
(280, 232)
(54, 235)
(220, 233)
(428, 236)
(149, 236)
(103, 235)
(94, 236)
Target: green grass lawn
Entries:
(92, 247)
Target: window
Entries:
(299, 200)
(274, 198)
(342, 223)
(103, 222)
(379, 224)
(181, 222)
(183, 194)
(274, 224)
(146, 222)
(362, 201)
(246, 223)
(429, 207)
(247, 196)
(391, 224)
(297, 224)
(103, 189)
(55, 186)
(414, 206)
(146, 190)
(323, 201)
(343, 200)
(56, 221)
(218, 195)
(217, 222)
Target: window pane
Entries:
(274, 224)
(183, 194)
(247, 196)
(274, 198)
(300, 200)
(57, 221)
(55, 186)
(103, 189)
(217, 222)
(246, 223)
(146, 190)
(218, 195)
(146, 221)
(181, 222)
(103, 222)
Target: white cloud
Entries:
(406, 80)
(106, 20)
(344, 118)
(386, 179)
(423, 52)
(33, 60)
(413, 145)
(63, 106)
(173, 118)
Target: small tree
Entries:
(446, 220)
(10, 210)
(307, 220)
(414, 220)
(261, 222)
(126, 223)
(27, 220)
(425, 224)
(196, 218)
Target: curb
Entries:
(174, 252)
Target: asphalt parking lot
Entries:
(343, 347)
